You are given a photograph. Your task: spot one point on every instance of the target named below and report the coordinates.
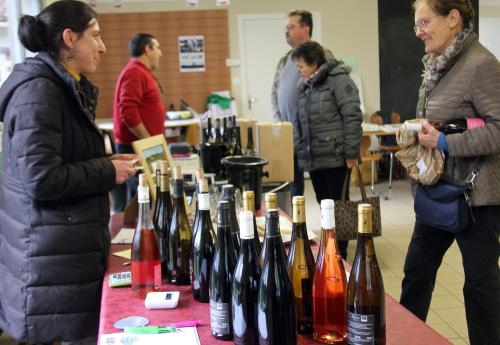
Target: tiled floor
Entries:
(447, 313)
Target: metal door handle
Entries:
(250, 101)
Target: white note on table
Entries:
(125, 236)
(184, 336)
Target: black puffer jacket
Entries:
(54, 207)
(328, 126)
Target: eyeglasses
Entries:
(422, 23)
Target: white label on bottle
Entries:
(327, 218)
(142, 194)
(219, 318)
(360, 329)
(204, 201)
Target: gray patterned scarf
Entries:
(435, 65)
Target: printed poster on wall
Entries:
(192, 53)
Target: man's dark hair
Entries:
(306, 19)
(138, 43)
(312, 53)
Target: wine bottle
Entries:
(225, 131)
(180, 236)
(452, 126)
(218, 135)
(271, 200)
(203, 246)
(157, 181)
(330, 284)
(237, 151)
(228, 195)
(301, 267)
(209, 131)
(250, 150)
(145, 262)
(276, 309)
(245, 288)
(365, 294)
(199, 175)
(164, 217)
(249, 205)
(221, 277)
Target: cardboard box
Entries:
(275, 142)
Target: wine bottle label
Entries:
(142, 194)
(204, 201)
(327, 218)
(219, 318)
(360, 329)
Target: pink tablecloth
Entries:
(403, 328)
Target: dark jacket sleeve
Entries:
(37, 147)
(347, 98)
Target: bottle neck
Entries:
(164, 183)
(144, 216)
(203, 202)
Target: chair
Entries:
(387, 146)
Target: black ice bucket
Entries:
(211, 155)
(245, 173)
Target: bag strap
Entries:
(469, 181)
(360, 183)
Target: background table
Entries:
(403, 328)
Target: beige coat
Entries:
(470, 88)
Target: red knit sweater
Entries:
(137, 99)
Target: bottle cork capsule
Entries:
(203, 185)
(163, 167)
(298, 200)
(142, 180)
(200, 174)
(177, 172)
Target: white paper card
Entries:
(125, 236)
(184, 336)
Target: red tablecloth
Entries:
(403, 328)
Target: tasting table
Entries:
(402, 327)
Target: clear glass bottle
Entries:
(301, 267)
(365, 293)
(145, 261)
(330, 284)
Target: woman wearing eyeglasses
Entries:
(461, 79)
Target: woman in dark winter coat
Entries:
(54, 208)
(328, 127)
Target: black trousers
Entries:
(479, 245)
(327, 184)
(298, 180)
(123, 193)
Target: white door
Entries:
(262, 44)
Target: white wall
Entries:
(489, 27)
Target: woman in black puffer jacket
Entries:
(328, 126)
(54, 207)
